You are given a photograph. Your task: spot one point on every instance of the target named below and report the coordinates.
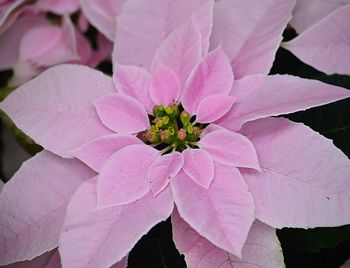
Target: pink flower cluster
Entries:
(184, 128)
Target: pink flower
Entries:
(30, 43)
(233, 172)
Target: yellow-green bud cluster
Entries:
(169, 126)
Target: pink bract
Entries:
(324, 36)
(226, 185)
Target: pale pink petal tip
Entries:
(213, 108)
(223, 214)
(262, 248)
(230, 148)
(162, 170)
(108, 235)
(97, 151)
(122, 113)
(212, 76)
(199, 166)
(133, 81)
(123, 178)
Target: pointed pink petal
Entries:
(50, 259)
(305, 179)
(212, 76)
(162, 170)
(47, 45)
(123, 178)
(122, 113)
(165, 86)
(134, 82)
(213, 107)
(96, 152)
(211, 128)
(142, 26)
(102, 14)
(10, 40)
(260, 96)
(121, 264)
(308, 12)
(262, 248)
(203, 20)
(223, 214)
(199, 166)
(250, 32)
(32, 205)
(230, 148)
(55, 108)
(106, 236)
(58, 6)
(180, 51)
(325, 45)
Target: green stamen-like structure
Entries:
(172, 128)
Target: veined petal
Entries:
(124, 176)
(223, 214)
(97, 151)
(122, 113)
(180, 51)
(102, 14)
(33, 203)
(250, 32)
(230, 148)
(203, 20)
(261, 248)
(260, 96)
(162, 170)
(55, 109)
(212, 76)
(199, 166)
(308, 12)
(142, 27)
(326, 44)
(165, 86)
(134, 82)
(106, 236)
(305, 179)
(49, 259)
(213, 107)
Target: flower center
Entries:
(172, 128)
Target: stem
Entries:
(166, 149)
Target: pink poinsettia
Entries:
(324, 34)
(176, 137)
(30, 43)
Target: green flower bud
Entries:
(172, 111)
(158, 111)
(194, 135)
(185, 118)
